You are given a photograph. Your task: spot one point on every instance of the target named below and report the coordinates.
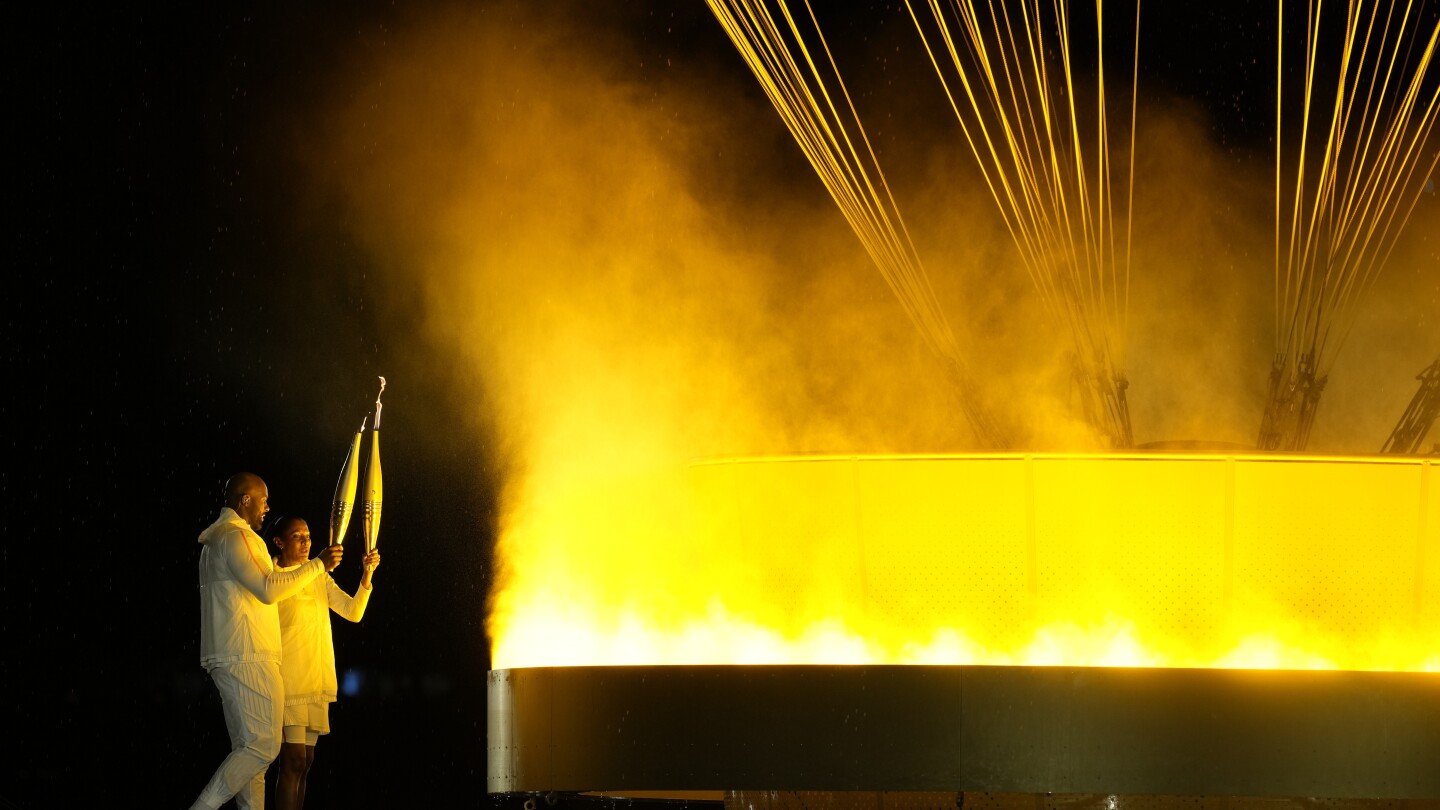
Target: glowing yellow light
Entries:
(1297, 562)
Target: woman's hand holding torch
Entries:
(369, 564)
(330, 556)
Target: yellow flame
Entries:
(1063, 560)
(573, 639)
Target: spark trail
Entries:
(788, 55)
(1053, 186)
(1364, 155)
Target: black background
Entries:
(166, 324)
(165, 327)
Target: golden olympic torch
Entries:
(374, 482)
(344, 502)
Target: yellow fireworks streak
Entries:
(1023, 127)
(1370, 165)
(812, 100)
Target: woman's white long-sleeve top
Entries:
(308, 663)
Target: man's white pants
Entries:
(253, 696)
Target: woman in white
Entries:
(307, 661)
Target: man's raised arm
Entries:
(246, 562)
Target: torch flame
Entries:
(377, 403)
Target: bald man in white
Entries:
(240, 638)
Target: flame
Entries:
(1063, 560)
(570, 638)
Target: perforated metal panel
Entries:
(982, 580)
(801, 550)
(839, 800)
(855, 800)
(1158, 560)
(1329, 544)
(1134, 540)
(1428, 596)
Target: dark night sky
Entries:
(168, 322)
(170, 328)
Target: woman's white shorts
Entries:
(305, 722)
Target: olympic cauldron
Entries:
(1269, 626)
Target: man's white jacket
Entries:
(239, 588)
